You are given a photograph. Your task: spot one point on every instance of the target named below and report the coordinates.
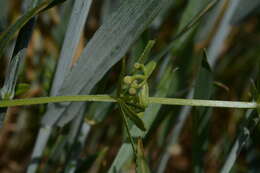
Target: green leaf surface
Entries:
(203, 85)
(102, 52)
(201, 116)
(78, 18)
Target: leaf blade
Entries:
(102, 52)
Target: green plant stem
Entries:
(107, 98)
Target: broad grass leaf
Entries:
(107, 47)
(78, 18)
(108, 7)
(78, 11)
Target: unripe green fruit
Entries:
(132, 91)
(137, 65)
(128, 79)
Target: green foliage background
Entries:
(94, 36)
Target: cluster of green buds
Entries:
(136, 84)
(136, 81)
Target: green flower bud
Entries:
(132, 91)
(128, 79)
(137, 65)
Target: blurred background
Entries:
(230, 33)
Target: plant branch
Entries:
(107, 98)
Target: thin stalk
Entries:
(107, 98)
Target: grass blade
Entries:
(74, 145)
(224, 29)
(78, 17)
(186, 26)
(102, 52)
(41, 141)
(11, 30)
(109, 6)
(244, 10)
(201, 116)
(3, 14)
(24, 36)
(248, 126)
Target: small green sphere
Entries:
(128, 79)
(132, 91)
(137, 65)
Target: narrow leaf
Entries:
(203, 90)
(133, 116)
(146, 51)
(186, 27)
(11, 30)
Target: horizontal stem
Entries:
(107, 98)
(204, 103)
